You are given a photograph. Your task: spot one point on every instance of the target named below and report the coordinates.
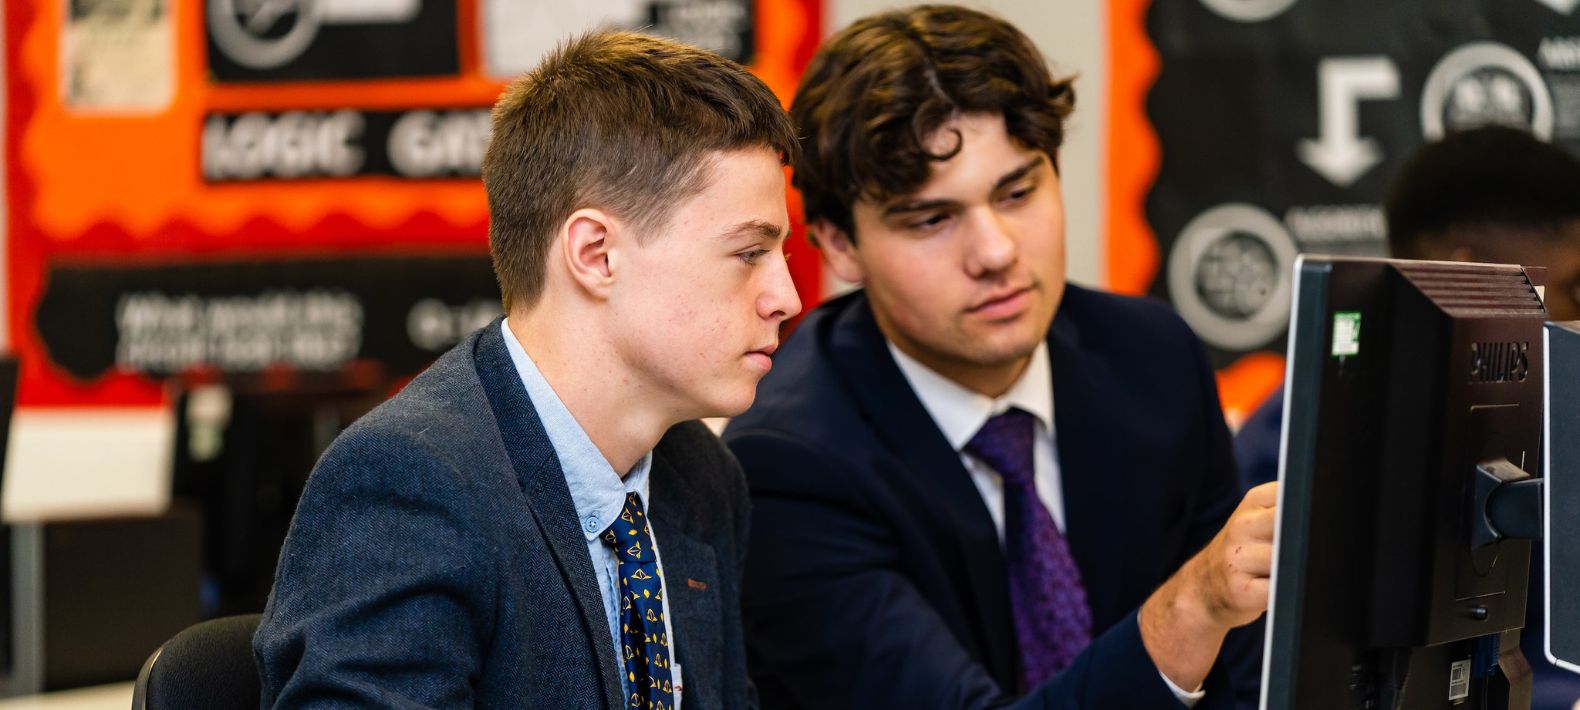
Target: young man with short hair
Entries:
(530, 523)
(968, 476)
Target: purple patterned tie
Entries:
(1048, 603)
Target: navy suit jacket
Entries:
(875, 576)
(436, 560)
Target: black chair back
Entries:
(208, 665)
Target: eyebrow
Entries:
(1018, 173)
(755, 228)
(922, 205)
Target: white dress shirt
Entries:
(960, 413)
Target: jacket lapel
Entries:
(538, 470)
(683, 557)
(871, 377)
(1086, 418)
(686, 560)
(691, 584)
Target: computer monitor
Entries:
(1562, 511)
(1414, 406)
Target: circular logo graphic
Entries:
(263, 34)
(1485, 83)
(1248, 10)
(1228, 276)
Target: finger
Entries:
(1263, 496)
(1252, 560)
(1251, 526)
(1251, 596)
(1259, 525)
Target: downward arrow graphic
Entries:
(1340, 153)
(1561, 6)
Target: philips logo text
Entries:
(1499, 362)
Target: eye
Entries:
(1019, 194)
(751, 256)
(928, 222)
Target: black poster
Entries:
(1282, 123)
(242, 317)
(310, 145)
(294, 40)
(724, 26)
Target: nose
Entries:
(991, 244)
(778, 300)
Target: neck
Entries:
(988, 380)
(585, 371)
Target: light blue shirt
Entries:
(598, 493)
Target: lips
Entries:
(1005, 303)
(763, 357)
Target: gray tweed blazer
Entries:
(436, 561)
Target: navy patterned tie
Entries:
(644, 642)
(1052, 621)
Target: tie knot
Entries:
(629, 536)
(1005, 442)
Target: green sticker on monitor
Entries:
(1346, 333)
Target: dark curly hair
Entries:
(880, 88)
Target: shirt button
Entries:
(590, 523)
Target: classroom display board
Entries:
(267, 189)
(1274, 127)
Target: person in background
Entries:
(974, 484)
(533, 521)
(1491, 194)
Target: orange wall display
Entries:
(1133, 156)
(201, 159)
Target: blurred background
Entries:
(233, 226)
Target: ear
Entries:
(838, 250)
(586, 239)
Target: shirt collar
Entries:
(960, 412)
(596, 490)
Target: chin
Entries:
(1002, 351)
(731, 406)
